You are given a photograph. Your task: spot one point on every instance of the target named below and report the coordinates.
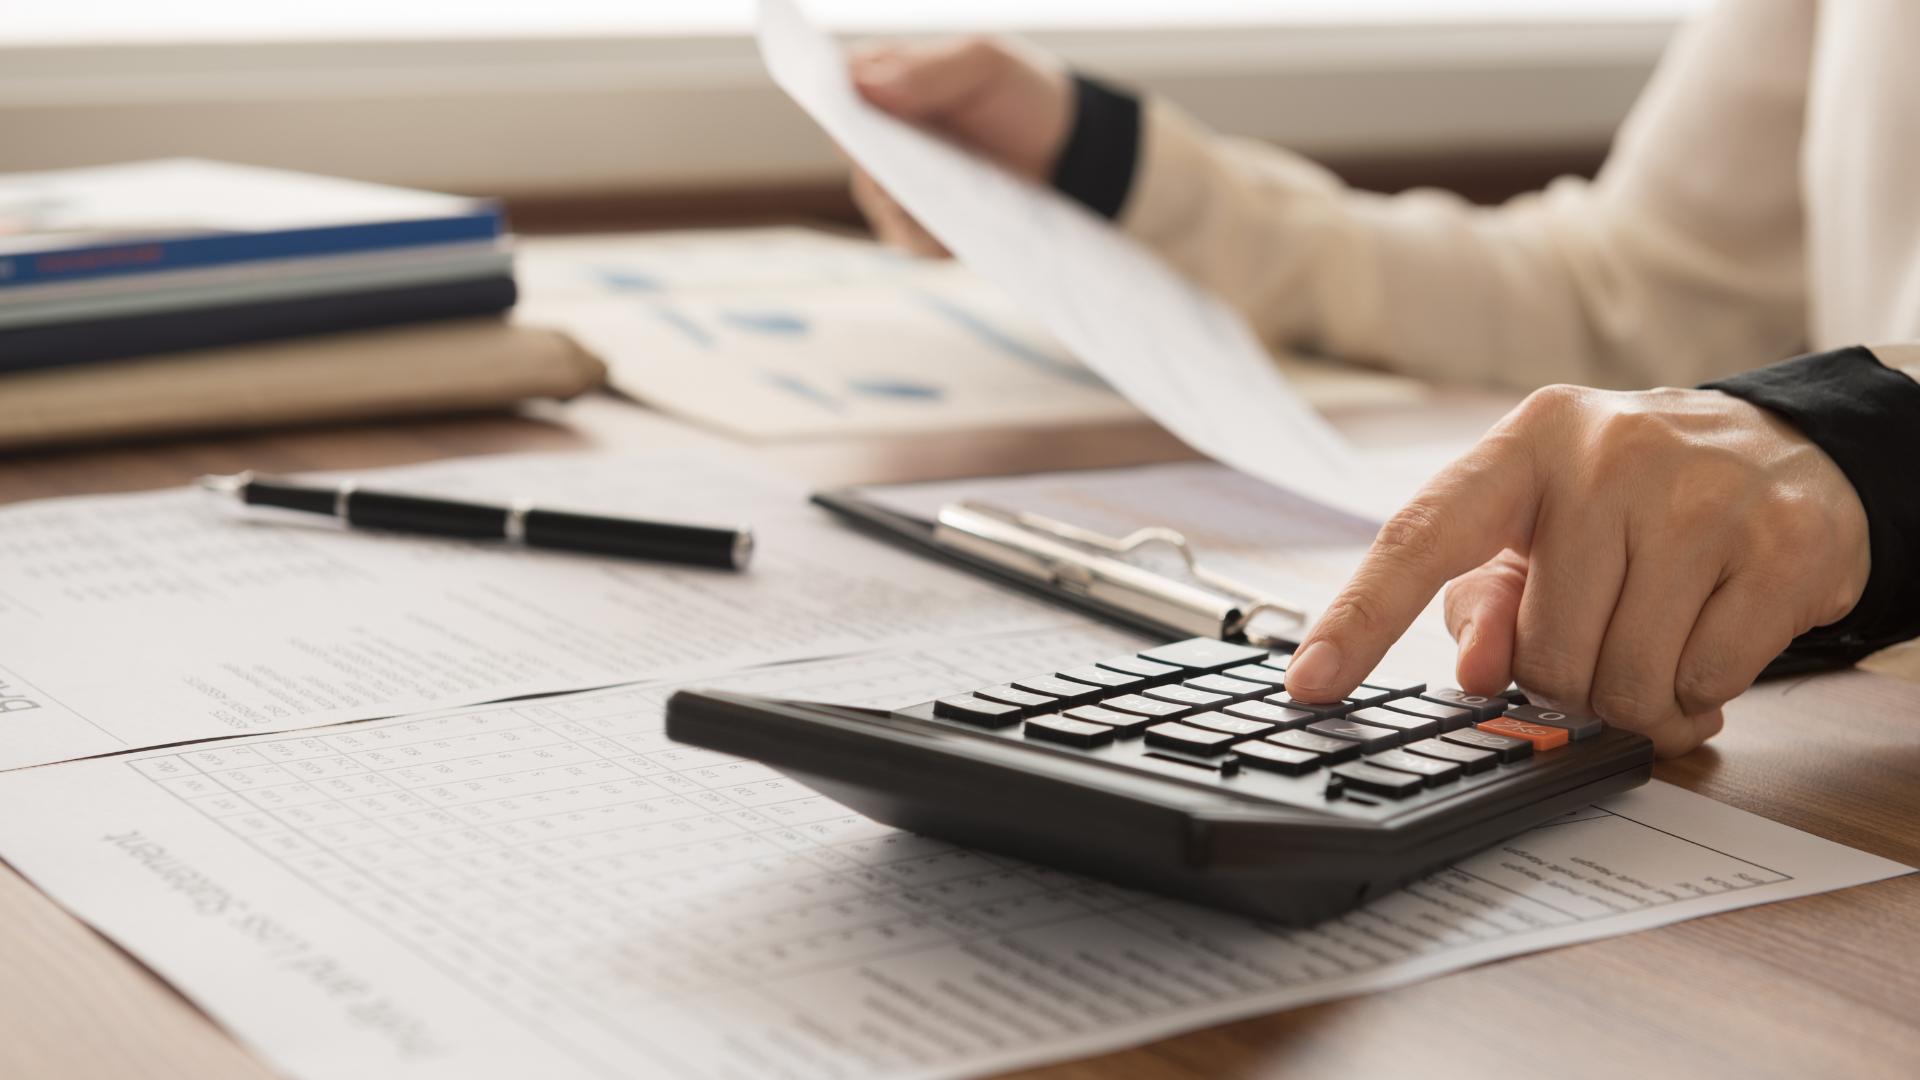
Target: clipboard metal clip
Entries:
(1042, 548)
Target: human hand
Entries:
(1633, 556)
(1007, 102)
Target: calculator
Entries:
(1188, 770)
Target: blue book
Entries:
(149, 218)
(146, 334)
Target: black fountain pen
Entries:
(521, 523)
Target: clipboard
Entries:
(1078, 568)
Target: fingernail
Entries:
(1465, 636)
(1314, 667)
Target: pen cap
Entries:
(698, 544)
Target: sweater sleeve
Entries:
(1866, 416)
(1684, 261)
(1096, 167)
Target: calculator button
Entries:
(1060, 729)
(1280, 759)
(1332, 749)
(1484, 707)
(1468, 758)
(1371, 739)
(1510, 749)
(1099, 676)
(1409, 726)
(1007, 695)
(1450, 717)
(1323, 710)
(1204, 654)
(978, 711)
(1187, 695)
(1124, 725)
(1146, 706)
(1190, 740)
(1540, 735)
(1232, 725)
(1065, 691)
(1234, 688)
(1436, 771)
(1146, 669)
(1260, 673)
(1269, 714)
(1372, 778)
(1578, 727)
(1390, 685)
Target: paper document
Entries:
(1172, 348)
(785, 333)
(550, 888)
(137, 620)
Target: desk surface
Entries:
(1822, 986)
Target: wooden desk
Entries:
(1823, 986)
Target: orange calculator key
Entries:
(1541, 736)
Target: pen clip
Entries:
(1032, 546)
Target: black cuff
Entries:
(1096, 167)
(1866, 416)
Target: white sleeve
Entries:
(1682, 262)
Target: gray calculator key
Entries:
(1280, 759)
(1509, 748)
(1372, 778)
(1484, 707)
(1233, 688)
(1187, 695)
(1231, 725)
(1067, 692)
(1332, 749)
(1146, 706)
(1578, 727)
(1146, 669)
(1094, 675)
(1188, 739)
(977, 711)
(1436, 771)
(1451, 717)
(1198, 655)
(1393, 685)
(1322, 709)
(1372, 739)
(1124, 725)
(1269, 714)
(1468, 758)
(1260, 673)
(1007, 695)
(1408, 725)
(1060, 729)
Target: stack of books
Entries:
(178, 296)
(163, 256)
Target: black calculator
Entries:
(1188, 770)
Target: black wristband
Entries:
(1096, 167)
(1866, 416)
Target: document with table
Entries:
(551, 888)
(215, 624)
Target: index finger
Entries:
(1472, 510)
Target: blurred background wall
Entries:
(596, 114)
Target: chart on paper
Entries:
(554, 885)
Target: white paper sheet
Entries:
(789, 333)
(1173, 349)
(138, 620)
(552, 889)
